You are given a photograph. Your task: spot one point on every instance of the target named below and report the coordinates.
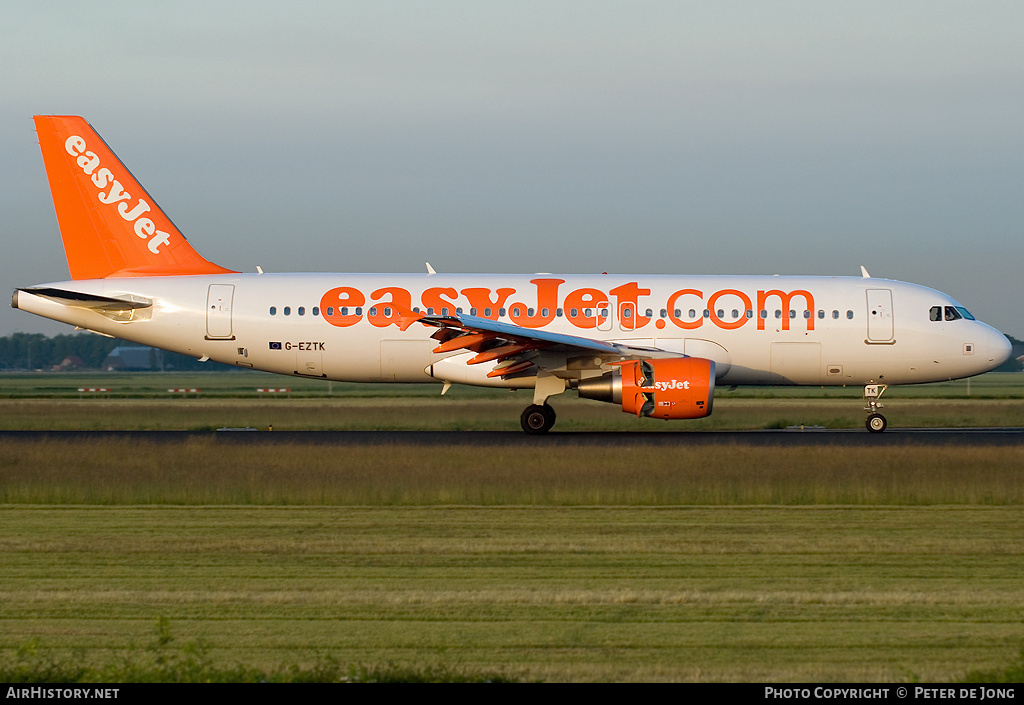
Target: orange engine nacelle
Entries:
(668, 388)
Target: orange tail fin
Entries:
(110, 225)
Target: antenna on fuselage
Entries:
(864, 272)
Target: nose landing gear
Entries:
(876, 423)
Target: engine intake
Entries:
(667, 388)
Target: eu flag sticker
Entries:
(275, 346)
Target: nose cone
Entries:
(993, 348)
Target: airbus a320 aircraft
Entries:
(654, 345)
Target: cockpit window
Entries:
(952, 313)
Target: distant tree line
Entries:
(35, 351)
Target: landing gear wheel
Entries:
(537, 419)
(876, 423)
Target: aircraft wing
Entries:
(514, 349)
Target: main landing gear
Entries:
(537, 419)
(876, 423)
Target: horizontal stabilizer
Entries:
(101, 304)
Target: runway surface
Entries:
(791, 437)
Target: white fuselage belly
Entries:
(832, 330)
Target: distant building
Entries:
(71, 362)
(133, 357)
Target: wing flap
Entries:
(508, 345)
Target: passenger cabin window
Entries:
(273, 310)
(849, 314)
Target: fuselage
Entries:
(759, 330)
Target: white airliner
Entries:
(654, 345)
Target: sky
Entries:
(633, 137)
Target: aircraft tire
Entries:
(876, 423)
(537, 419)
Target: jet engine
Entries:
(666, 388)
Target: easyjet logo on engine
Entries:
(584, 308)
(672, 384)
(112, 193)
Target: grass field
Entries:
(535, 593)
(203, 471)
(711, 563)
